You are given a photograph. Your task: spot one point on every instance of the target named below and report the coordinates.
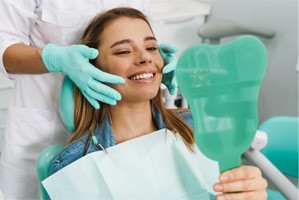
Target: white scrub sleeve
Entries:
(17, 18)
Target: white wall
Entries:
(279, 91)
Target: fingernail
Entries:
(95, 53)
(122, 81)
(97, 106)
(113, 103)
(118, 97)
(220, 197)
(218, 188)
(223, 178)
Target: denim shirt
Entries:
(106, 138)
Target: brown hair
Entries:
(86, 117)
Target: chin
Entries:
(141, 96)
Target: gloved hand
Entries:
(167, 52)
(73, 61)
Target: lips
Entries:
(142, 76)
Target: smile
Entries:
(142, 76)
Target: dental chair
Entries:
(43, 166)
(275, 152)
(253, 154)
(48, 155)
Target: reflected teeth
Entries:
(142, 76)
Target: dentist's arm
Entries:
(23, 59)
(245, 182)
(73, 61)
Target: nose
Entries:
(145, 61)
(144, 58)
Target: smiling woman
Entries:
(149, 147)
(132, 54)
(128, 49)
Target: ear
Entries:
(66, 104)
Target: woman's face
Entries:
(129, 49)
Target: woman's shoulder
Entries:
(185, 114)
(69, 154)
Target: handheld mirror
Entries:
(221, 85)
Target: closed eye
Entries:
(151, 48)
(122, 52)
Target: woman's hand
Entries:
(245, 182)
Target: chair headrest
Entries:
(66, 104)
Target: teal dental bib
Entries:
(221, 85)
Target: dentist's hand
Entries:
(245, 182)
(167, 52)
(73, 61)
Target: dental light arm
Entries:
(217, 29)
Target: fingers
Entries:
(93, 98)
(88, 52)
(106, 77)
(168, 48)
(174, 82)
(243, 172)
(103, 89)
(92, 101)
(167, 52)
(242, 185)
(260, 195)
(245, 182)
(168, 82)
(170, 64)
(103, 93)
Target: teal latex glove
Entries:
(73, 61)
(167, 52)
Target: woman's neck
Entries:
(129, 121)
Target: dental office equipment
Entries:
(95, 141)
(217, 29)
(277, 153)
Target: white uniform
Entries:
(33, 120)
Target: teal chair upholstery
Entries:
(282, 147)
(43, 166)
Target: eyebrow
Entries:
(130, 41)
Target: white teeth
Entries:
(142, 76)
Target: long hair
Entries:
(86, 117)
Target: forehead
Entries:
(126, 28)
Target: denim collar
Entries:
(106, 137)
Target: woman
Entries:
(131, 52)
(37, 49)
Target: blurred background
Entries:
(178, 22)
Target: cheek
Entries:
(114, 66)
(159, 62)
